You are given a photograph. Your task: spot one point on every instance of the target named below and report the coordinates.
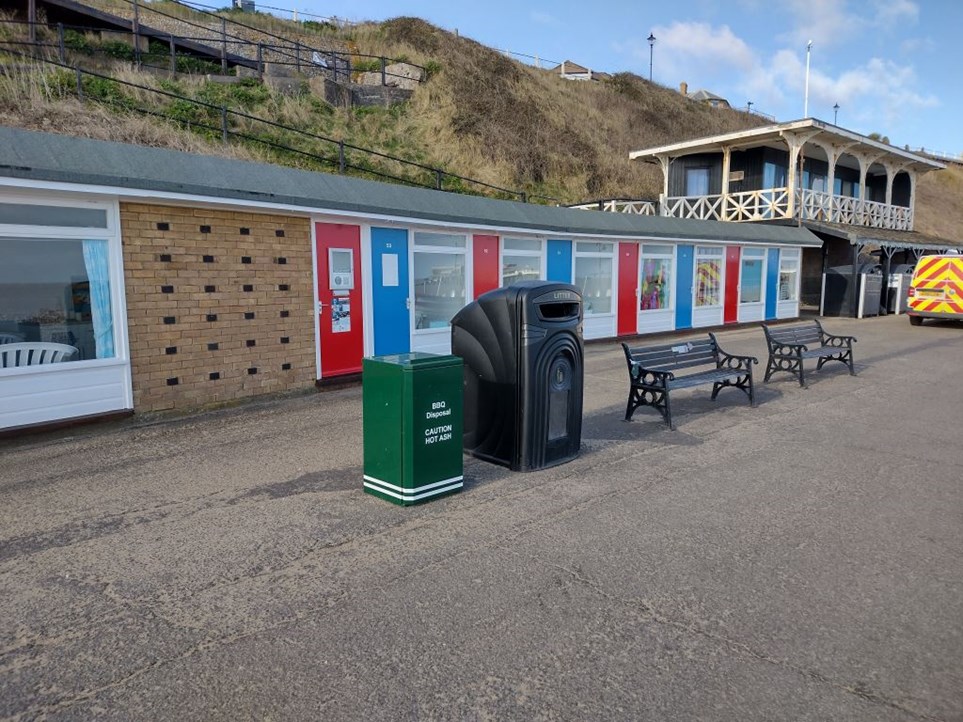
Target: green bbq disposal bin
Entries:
(412, 426)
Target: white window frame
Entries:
(110, 234)
(757, 254)
(540, 254)
(718, 253)
(793, 254)
(613, 256)
(673, 273)
(454, 250)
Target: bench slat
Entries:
(796, 336)
(708, 377)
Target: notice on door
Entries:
(389, 269)
(340, 315)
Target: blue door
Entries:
(389, 290)
(772, 282)
(559, 266)
(683, 288)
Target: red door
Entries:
(628, 323)
(731, 314)
(340, 330)
(485, 262)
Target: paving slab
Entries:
(798, 560)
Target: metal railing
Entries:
(227, 50)
(216, 121)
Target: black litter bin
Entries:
(841, 297)
(522, 348)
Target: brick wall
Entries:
(219, 304)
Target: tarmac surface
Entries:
(801, 560)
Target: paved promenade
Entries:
(802, 560)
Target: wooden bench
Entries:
(789, 346)
(652, 373)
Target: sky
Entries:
(894, 67)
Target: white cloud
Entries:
(912, 46)
(690, 51)
(831, 22)
(892, 13)
(825, 22)
(543, 18)
(877, 92)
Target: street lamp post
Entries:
(835, 113)
(651, 40)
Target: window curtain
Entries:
(773, 176)
(697, 182)
(98, 273)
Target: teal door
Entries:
(683, 288)
(772, 282)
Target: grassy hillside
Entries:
(481, 115)
(939, 203)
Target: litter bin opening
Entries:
(558, 311)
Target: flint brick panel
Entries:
(193, 364)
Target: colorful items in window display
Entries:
(655, 284)
(707, 283)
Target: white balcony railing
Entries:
(642, 208)
(736, 207)
(819, 206)
(773, 203)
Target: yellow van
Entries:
(936, 290)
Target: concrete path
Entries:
(802, 560)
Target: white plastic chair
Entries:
(34, 353)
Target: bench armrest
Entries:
(649, 377)
(830, 339)
(734, 361)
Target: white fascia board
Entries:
(711, 142)
(355, 216)
(774, 132)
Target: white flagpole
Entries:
(809, 47)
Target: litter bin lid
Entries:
(419, 360)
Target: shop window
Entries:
(708, 285)
(594, 275)
(440, 280)
(521, 260)
(750, 280)
(788, 275)
(656, 278)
